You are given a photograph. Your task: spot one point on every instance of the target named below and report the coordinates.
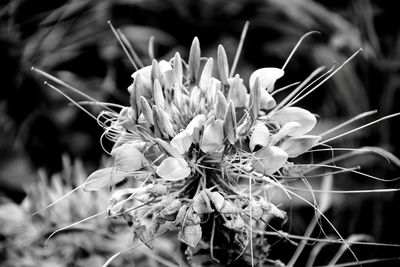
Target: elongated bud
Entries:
(146, 110)
(195, 98)
(206, 74)
(166, 123)
(137, 93)
(220, 105)
(222, 63)
(194, 61)
(158, 95)
(155, 71)
(230, 123)
(157, 122)
(177, 67)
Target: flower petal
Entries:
(269, 159)
(173, 169)
(296, 146)
(128, 158)
(182, 141)
(213, 136)
(260, 136)
(288, 114)
(267, 101)
(103, 178)
(267, 77)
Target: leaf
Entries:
(259, 136)
(173, 169)
(296, 146)
(213, 136)
(128, 158)
(267, 78)
(190, 235)
(295, 114)
(269, 159)
(182, 141)
(103, 178)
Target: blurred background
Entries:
(43, 136)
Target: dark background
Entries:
(71, 40)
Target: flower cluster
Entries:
(197, 149)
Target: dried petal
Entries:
(267, 77)
(103, 178)
(269, 159)
(217, 199)
(287, 114)
(296, 146)
(173, 169)
(201, 203)
(259, 136)
(129, 159)
(213, 136)
(190, 235)
(182, 141)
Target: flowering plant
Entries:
(198, 151)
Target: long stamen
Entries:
(297, 46)
(239, 49)
(122, 45)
